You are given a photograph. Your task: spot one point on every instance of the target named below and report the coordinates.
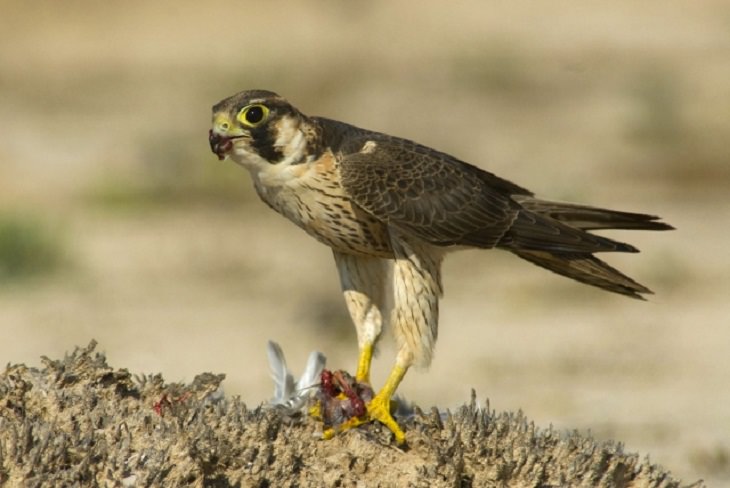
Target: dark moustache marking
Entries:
(263, 139)
(264, 136)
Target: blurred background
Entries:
(117, 223)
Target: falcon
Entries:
(391, 209)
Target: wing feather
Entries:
(429, 194)
(444, 201)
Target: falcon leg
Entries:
(363, 364)
(365, 283)
(379, 407)
(417, 287)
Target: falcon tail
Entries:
(591, 218)
(587, 269)
(553, 236)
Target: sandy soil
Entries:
(103, 117)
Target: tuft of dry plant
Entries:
(80, 422)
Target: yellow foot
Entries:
(341, 406)
(347, 425)
(379, 409)
(315, 411)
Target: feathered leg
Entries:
(366, 287)
(417, 288)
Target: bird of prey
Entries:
(391, 208)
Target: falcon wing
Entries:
(445, 201)
(429, 194)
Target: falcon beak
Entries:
(220, 145)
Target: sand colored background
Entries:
(141, 239)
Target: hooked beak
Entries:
(220, 145)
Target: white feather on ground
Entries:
(290, 393)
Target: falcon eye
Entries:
(253, 115)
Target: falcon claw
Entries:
(315, 411)
(344, 403)
(379, 409)
(329, 433)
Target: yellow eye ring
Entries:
(253, 115)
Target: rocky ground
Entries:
(80, 422)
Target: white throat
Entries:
(292, 142)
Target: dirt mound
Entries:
(79, 422)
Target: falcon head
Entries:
(258, 128)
